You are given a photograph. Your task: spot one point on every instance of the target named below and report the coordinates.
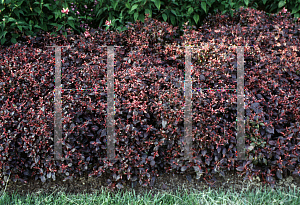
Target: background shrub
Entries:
(29, 17)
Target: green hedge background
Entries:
(29, 17)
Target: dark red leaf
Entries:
(240, 168)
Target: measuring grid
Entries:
(111, 108)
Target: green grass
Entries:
(247, 196)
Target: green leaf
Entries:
(190, 10)
(50, 17)
(134, 7)
(136, 15)
(100, 24)
(70, 18)
(142, 17)
(124, 28)
(47, 5)
(71, 23)
(44, 27)
(174, 12)
(157, 4)
(2, 25)
(59, 26)
(2, 8)
(246, 2)
(22, 12)
(54, 24)
(13, 40)
(295, 10)
(281, 4)
(121, 16)
(165, 17)
(21, 22)
(53, 33)
(20, 28)
(119, 28)
(115, 4)
(37, 10)
(264, 2)
(3, 41)
(2, 34)
(224, 11)
(174, 2)
(196, 18)
(203, 6)
(100, 11)
(17, 13)
(127, 5)
(37, 26)
(210, 3)
(11, 19)
(29, 33)
(147, 11)
(56, 15)
(173, 20)
(65, 34)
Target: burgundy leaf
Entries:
(43, 179)
(183, 168)
(279, 173)
(271, 142)
(240, 168)
(269, 179)
(152, 181)
(152, 163)
(119, 186)
(189, 178)
(164, 187)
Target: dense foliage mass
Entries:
(150, 98)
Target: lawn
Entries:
(209, 196)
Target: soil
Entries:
(164, 183)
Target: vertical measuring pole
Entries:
(240, 104)
(57, 106)
(188, 104)
(110, 104)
